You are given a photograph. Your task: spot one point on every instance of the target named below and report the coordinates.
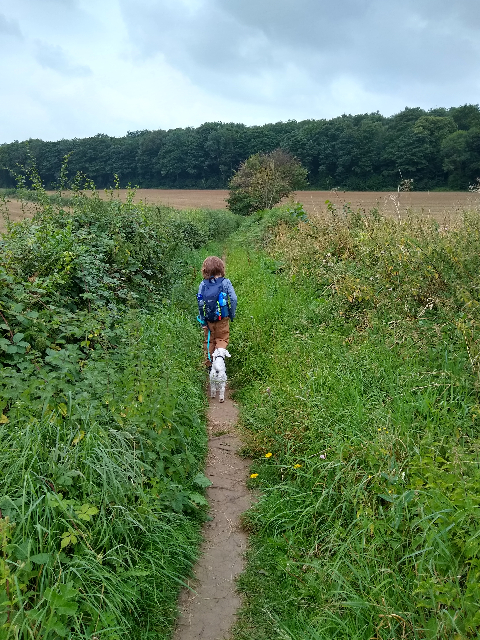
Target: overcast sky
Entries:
(75, 68)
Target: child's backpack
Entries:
(212, 301)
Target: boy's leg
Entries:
(221, 333)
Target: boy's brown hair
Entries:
(213, 267)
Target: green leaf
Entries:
(386, 497)
(12, 348)
(202, 481)
(41, 558)
(65, 541)
(67, 609)
(86, 511)
(55, 625)
(18, 337)
(68, 538)
(198, 499)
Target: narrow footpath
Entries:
(208, 607)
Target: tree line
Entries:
(437, 149)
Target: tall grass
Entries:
(99, 503)
(102, 430)
(357, 369)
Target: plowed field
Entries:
(16, 212)
(437, 204)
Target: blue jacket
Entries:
(227, 288)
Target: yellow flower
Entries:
(297, 466)
(253, 475)
(3, 419)
(268, 455)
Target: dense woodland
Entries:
(437, 149)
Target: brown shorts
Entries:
(219, 336)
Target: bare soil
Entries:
(438, 204)
(208, 606)
(16, 212)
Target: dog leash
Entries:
(208, 339)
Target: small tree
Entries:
(263, 180)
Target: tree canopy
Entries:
(439, 148)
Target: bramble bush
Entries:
(101, 432)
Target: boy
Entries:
(217, 303)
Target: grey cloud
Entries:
(381, 43)
(375, 39)
(9, 27)
(210, 38)
(208, 44)
(54, 57)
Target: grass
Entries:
(357, 369)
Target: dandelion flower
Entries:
(268, 455)
(297, 466)
(253, 475)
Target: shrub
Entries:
(263, 180)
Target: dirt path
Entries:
(208, 612)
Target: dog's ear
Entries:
(227, 354)
(215, 353)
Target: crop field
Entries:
(437, 204)
(440, 205)
(15, 212)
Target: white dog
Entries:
(218, 373)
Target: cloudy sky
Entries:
(74, 68)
